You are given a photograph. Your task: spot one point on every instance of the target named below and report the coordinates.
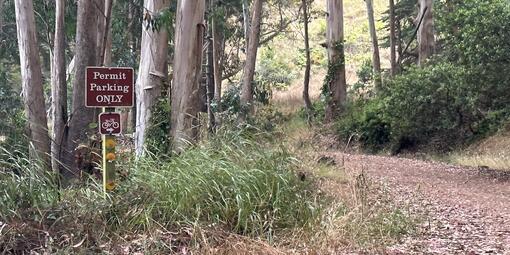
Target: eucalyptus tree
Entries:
(335, 83)
(32, 81)
(152, 72)
(58, 86)
(376, 59)
(187, 73)
(251, 58)
(426, 41)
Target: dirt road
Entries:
(465, 210)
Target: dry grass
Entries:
(493, 152)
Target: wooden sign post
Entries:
(109, 88)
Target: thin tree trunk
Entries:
(376, 60)
(393, 40)
(132, 50)
(106, 42)
(246, 23)
(218, 66)
(251, 59)
(101, 25)
(336, 82)
(306, 85)
(400, 48)
(151, 73)
(85, 55)
(210, 74)
(32, 82)
(189, 31)
(426, 43)
(58, 87)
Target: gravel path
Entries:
(466, 210)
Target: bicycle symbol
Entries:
(110, 125)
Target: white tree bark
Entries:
(376, 60)
(32, 81)
(251, 59)
(151, 72)
(58, 86)
(189, 31)
(426, 42)
(337, 87)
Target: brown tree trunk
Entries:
(251, 59)
(58, 87)
(426, 42)
(218, 63)
(210, 73)
(85, 55)
(393, 40)
(189, 31)
(151, 72)
(106, 42)
(306, 82)
(376, 60)
(336, 82)
(32, 82)
(101, 25)
(246, 23)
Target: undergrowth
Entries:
(231, 183)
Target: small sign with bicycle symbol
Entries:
(109, 123)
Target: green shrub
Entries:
(461, 95)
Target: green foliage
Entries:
(24, 187)
(460, 96)
(273, 72)
(158, 140)
(333, 68)
(11, 112)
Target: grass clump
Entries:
(238, 184)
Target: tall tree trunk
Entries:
(189, 31)
(376, 60)
(32, 82)
(218, 64)
(251, 59)
(101, 25)
(336, 82)
(85, 55)
(151, 73)
(246, 23)
(106, 42)
(306, 83)
(393, 40)
(210, 73)
(58, 87)
(400, 48)
(426, 43)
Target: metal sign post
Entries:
(107, 88)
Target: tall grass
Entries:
(238, 184)
(231, 183)
(24, 187)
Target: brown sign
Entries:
(109, 87)
(109, 123)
